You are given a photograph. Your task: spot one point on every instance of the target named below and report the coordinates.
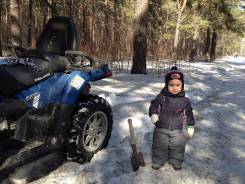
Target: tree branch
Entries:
(183, 6)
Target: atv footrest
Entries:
(9, 147)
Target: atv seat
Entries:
(56, 62)
(14, 78)
(59, 35)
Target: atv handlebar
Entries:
(100, 73)
(78, 58)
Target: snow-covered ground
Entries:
(216, 153)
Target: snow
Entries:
(216, 153)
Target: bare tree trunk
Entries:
(116, 30)
(176, 37)
(213, 46)
(71, 8)
(15, 23)
(1, 53)
(9, 34)
(223, 50)
(91, 22)
(1, 14)
(86, 25)
(193, 52)
(29, 39)
(207, 48)
(54, 10)
(19, 21)
(106, 42)
(51, 8)
(140, 38)
(155, 30)
(181, 5)
(45, 14)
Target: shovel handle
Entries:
(131, 131)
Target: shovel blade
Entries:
(137, 160)
(140, 159)
(134, 163)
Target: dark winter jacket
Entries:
(172, 110)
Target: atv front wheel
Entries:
(91, 128)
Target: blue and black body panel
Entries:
(60, 88)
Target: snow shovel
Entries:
(137, 159)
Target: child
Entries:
(169, 111)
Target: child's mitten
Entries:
(154, 118)
(190, 130)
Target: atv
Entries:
(45, 100)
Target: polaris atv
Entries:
(45, 100)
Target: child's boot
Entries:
(177, 167)
(155, 166)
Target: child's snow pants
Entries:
(168, 146)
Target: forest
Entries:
(139, 30)
(76, 102)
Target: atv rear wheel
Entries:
(91, 128)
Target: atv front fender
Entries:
(78, 81)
